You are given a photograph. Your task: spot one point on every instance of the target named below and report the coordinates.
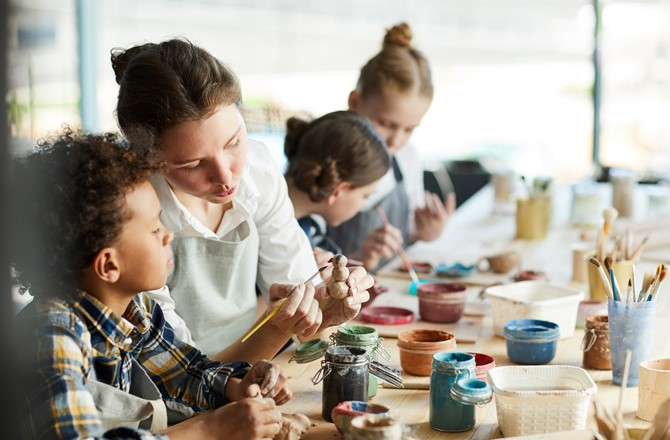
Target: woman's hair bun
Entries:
(295, 128)
(121, 58)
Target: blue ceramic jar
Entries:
(531, 341)
(454, 391)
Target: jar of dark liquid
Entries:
(344, 372)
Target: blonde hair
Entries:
(398, 65)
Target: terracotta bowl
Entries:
(343, 412)
(417, 347)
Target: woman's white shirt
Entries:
(285, 254)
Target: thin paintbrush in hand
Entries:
(406, 261)
(278, 308)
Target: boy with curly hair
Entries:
(97, 358)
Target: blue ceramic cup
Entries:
(531, 341)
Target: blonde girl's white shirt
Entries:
(411, 166)
(285, 254)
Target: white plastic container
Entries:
(537, 399)
(534, 300)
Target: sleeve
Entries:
(58, 404)
(285, 254)
(180, 371)
(164, 299)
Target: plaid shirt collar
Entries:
(117, 330)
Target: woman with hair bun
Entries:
(333, 165)
(394, 91)
(227, 203)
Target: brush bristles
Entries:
(608, 262)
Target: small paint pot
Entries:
(528, 275)
(343, 412)
(418, 266)
(442, 302)
(589, 307)
(417, 348)
(484, 363)
(531, 341)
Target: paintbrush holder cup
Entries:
(623, 271)
(533, 217)
(654, 388)
(631, 328)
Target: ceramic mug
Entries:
(499, 263)
(653, 387)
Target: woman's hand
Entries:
(265, 379)
(301, 314)
(433, 217)
(336, 311)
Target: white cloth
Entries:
(285, 254)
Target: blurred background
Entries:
(517, 85)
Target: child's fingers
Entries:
(253, 390)
(270, 379)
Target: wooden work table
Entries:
(474, 232)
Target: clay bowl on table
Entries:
(417, 347)
(343, 412)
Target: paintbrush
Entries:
(654, 281)
(281, 304)
(603, 277)
(646, 283)
(638, 249)
(403, 256)
(661, 277)
(615, 285)
(609, 215)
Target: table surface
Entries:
(473, 232)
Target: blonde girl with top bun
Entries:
(394, 91)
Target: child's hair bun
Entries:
(400, 35)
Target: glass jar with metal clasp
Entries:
(596, 343)
(344, 372)
(454, 392)
(365, 337)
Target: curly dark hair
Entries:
(68, 203)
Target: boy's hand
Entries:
(433, 217)
(265, 379)
(337, 311)
(247, 419)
